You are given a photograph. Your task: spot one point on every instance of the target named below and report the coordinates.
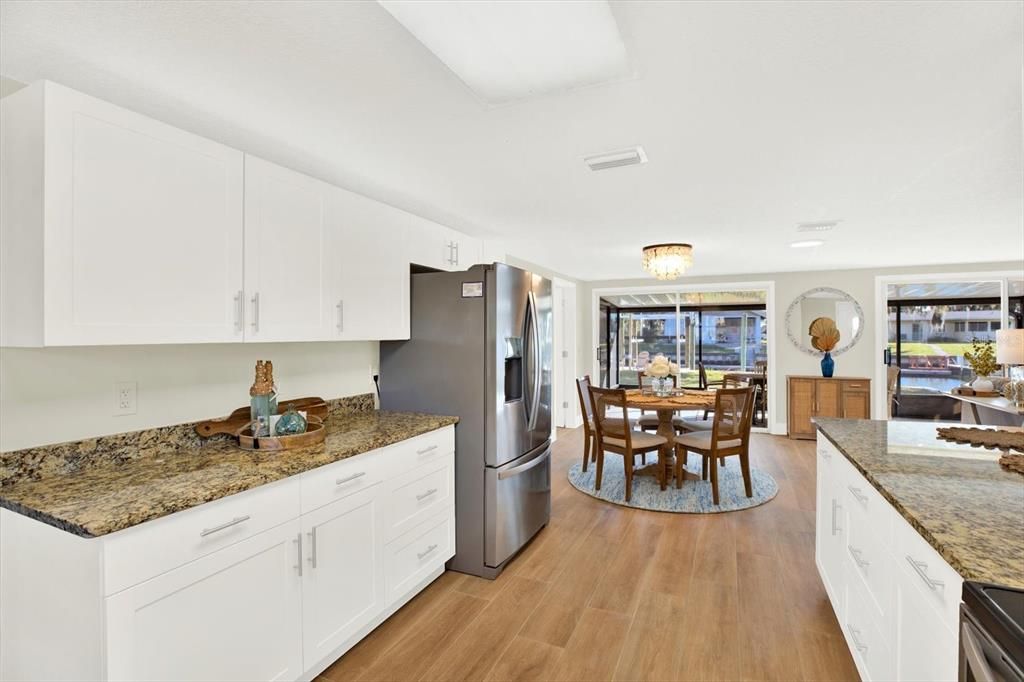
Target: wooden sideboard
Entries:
(814, 396)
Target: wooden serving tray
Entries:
(315, 433)
(977, 394)
(239, 419)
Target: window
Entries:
(979, 326)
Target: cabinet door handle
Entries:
(835, 515)
(855, 636)
(239, 310)
(342, 481)
(312, 547)
(456, 263)
(256, 312)
(227, 524)
(853, 385)
(426, 450)
(341, 315)
(298, 541)
(856, 554)
(921, 568)
(425, 552)
(423, 496)
(863, 499)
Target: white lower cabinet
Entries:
(243, 588)
(895, 598)
(343, 581)
(233, 615)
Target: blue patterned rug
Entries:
(693, 498)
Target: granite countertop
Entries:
(118, 494)
(957, 497)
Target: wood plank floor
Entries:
(610, 593)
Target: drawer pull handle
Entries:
(347, 479)
(425, 552)
(426, 450)
(423, 496)
(856, 554)
(855, 636)
(233, 522)
(921, 568)
(835, 516)
(863, 499)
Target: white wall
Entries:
(858, 361)
(52, 395)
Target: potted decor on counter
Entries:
(982, 359)
(825, 337)
(660, 370)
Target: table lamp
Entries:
(1010, 351)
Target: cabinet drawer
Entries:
(868, 504)
(426, 448)
(339, 480)
(137, 554)
(868, 642)
(868, 561)
(940, 585)
(412, 557)
(419, 494)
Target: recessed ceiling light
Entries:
(817, 226)
(507, 51)
(807, 243)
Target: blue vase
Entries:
(828, 365)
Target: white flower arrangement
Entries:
(660, 367)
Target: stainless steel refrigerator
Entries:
(481, 349)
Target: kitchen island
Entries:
(903, 518)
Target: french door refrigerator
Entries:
(480, 348)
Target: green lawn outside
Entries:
(917, 348)
(688, 377)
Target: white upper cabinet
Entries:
(287, 283)
(117, 229)
(369, 269)
(440, 247)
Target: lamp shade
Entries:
(1010, 346)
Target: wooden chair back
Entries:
(761, 366)
(734, 412)
(892, 378)
(608, 401)
(586, 406)
(702, 376)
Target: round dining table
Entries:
(666, 407)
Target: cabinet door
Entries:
(427, 243)
(369, 268)
(143, 228)
(830, 532)
(926, 649)
(827, 401)
(856, 400)
(232, 615)
(801, 407)
(286, 282)
(466, 251)
(344, 576)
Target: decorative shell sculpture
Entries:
(824, 334)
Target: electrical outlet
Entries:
(125, 395)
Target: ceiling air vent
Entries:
(623, 157)
(818, 226)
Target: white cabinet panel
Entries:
(233, 615)
(343, 587)
(412, 557)
(286, 278)
(369, 269)
(927, 648)
(141, 225)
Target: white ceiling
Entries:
(902, 120)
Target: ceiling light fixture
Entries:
(667, 261)
(622, 157)
(807, 243)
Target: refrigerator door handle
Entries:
(536, 461)
(536, 353)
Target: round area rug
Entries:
(693, 498)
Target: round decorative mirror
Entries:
(826, 302)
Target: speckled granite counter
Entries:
(957, 497)
(121, 492)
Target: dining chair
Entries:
(615, 434)
(703, 424)
(892, 378)
(587, 410)
(730, 435)
(649, 422)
